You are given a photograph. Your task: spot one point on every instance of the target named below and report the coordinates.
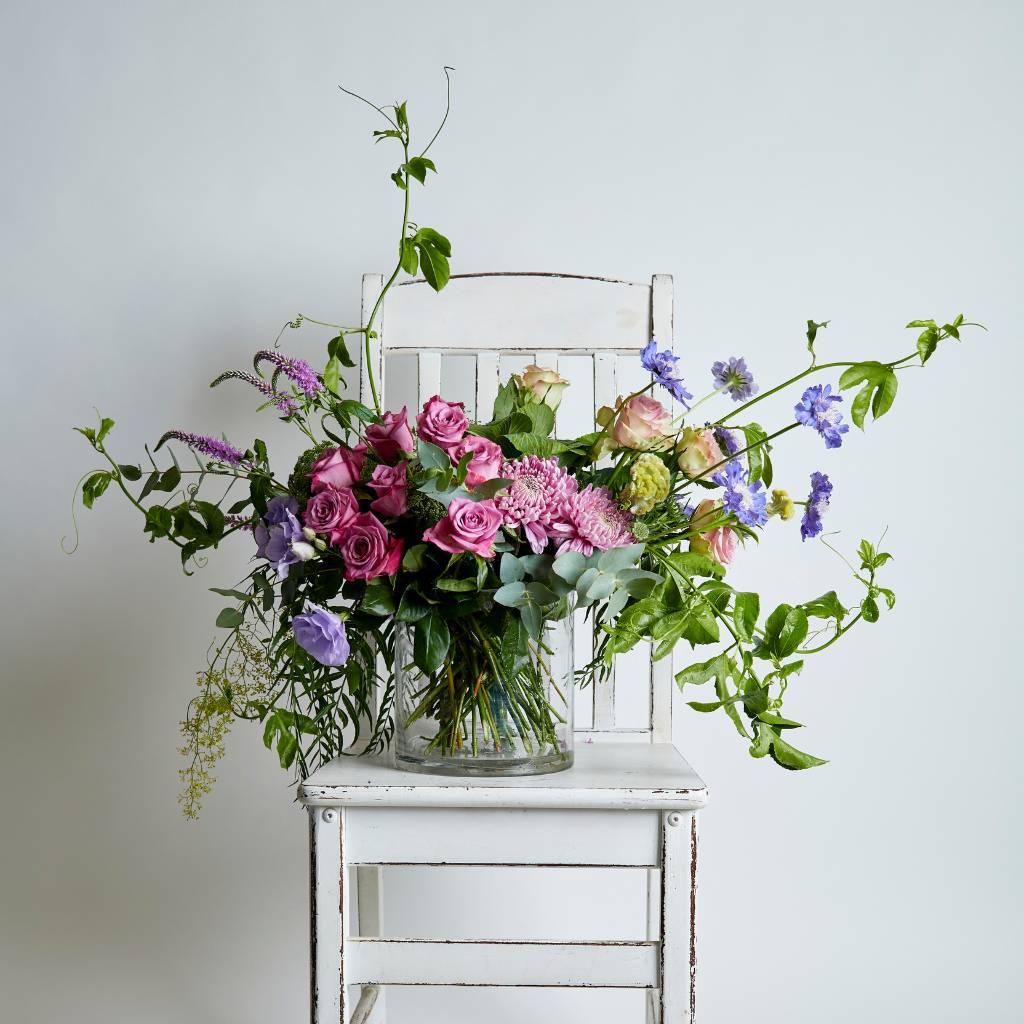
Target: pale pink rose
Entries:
(338, 467)
(469, 526)
(722, 542)
(641, 423)
(391, 485)
(541, 385)
(698, 452)
(391, 436)
(368, 549)
(442, 423)
(330, 510)
(486, 459)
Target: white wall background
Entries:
(181, 178)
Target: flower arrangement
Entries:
(448, 547)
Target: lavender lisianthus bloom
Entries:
(746, 501)
(279, 537)
(663, 366)
(321, 634)
(817, 502)
(219, 450)
(817, 409)
(733, 376)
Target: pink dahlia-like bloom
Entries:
(535, 498)
(593, 521)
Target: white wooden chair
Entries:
(631, 802)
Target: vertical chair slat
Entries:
(488, 377)
(604, 394)
(328, 915)
(678, 909)
(429, 375)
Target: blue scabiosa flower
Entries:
(734, 377)
(746, 501)
(663, 366)
(817, 502)
(817, 409)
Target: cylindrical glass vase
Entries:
(501, 704)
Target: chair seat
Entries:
(605, 776)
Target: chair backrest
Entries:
(579, 325)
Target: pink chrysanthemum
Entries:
(592, 521)
(535, 498)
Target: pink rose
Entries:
(338, 467)
(469, 526)
(640, 423)
(391, 484)
(486, 459)
(368, 549)
(722, 542)
(698, 452)
(442, 423)
(391, 436)
(330, 510)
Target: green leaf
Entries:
(504, 401)
(828, 606)
(415, 558)
(859, 372)
(106, 425)
(430, 644)
(229, 618)
(236, 594)
(861, 403)
(510, 570)
(488, 489)
(378, 598)
(433, 264)
(541, 417)
(789, 757)
(869, 606)
(537, 444)
(812, 333)
(511, 595)
(94, 486)
(570, 566)
(418, 167)
(411, 607)
(457, 586)
(397, 178)
(435, 239)
(337, 346)
(130, 472)
(885, 395)
(928, 339)
(432, 457)
(641, 616)
(332, 375)
(615, 560)
(690, 563)
(158, 522)
(757, 457)
(745, 612)
(407, 254)
(785, 630)
(698, 673)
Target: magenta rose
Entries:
(442, 423)
(486, 459)
(391, 485)
(338, 467)
(469, 526)
(329, 511)
(391, 436)
(368, 549)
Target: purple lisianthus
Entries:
(321, 634)
(219, 450)
(663, 366)
(734, 377)
(817, 502)
(817, 409)
(746, 501)
(279, 536)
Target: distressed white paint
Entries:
(447, 962)
(434, 835)
(678, 891)
(328, 915)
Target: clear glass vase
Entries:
(501, 704)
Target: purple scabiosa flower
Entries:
(734, 377)
(746, 501)
(321, 634)
(817, 409)
(279, 537)
(817, 501)
(663, 366)
(534, 498)
(219, 450)
(298, 371)
(592, 520)
(285, 403)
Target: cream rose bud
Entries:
(303, 551)
(541, 386)
(309, 534)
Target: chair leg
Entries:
(678, 907)
(329, 916)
